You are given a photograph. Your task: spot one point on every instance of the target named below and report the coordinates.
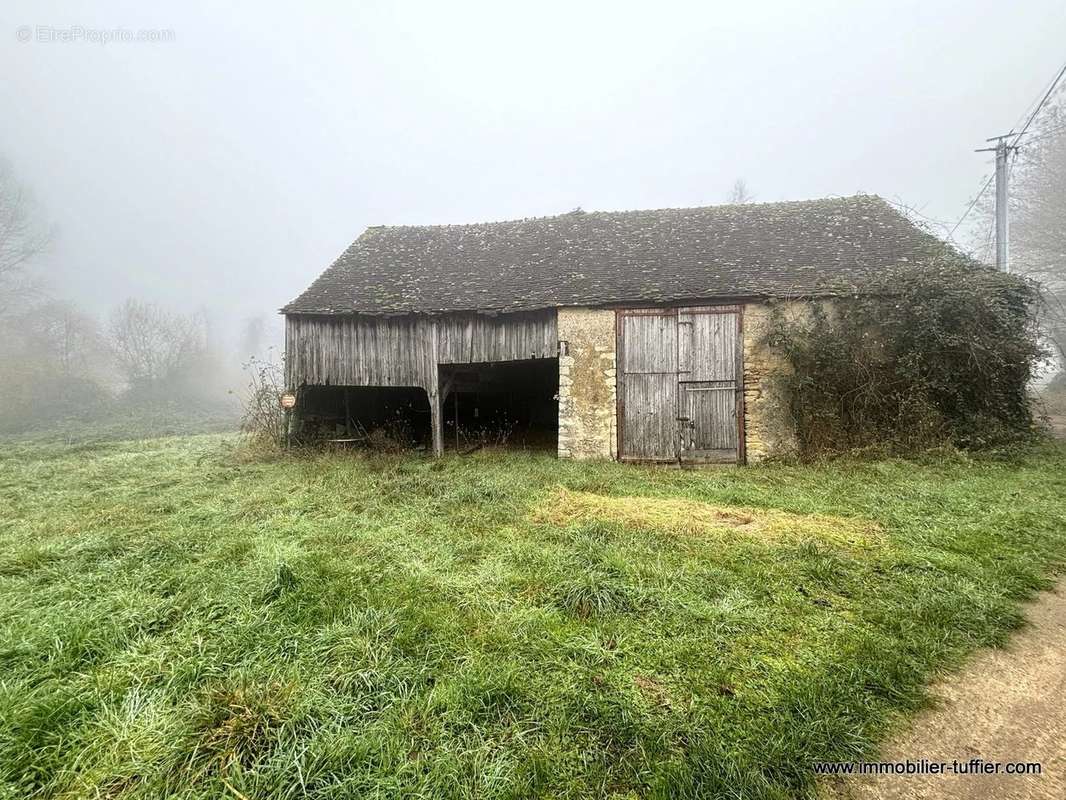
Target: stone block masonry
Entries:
(587, 386)
(587, 383)
(767, 425)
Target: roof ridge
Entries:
(618, 212)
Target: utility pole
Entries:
(1002, 222)
(1002, 151)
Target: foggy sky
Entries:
(227, 168)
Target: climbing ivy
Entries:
(926, 354)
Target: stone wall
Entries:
(767, 425)
(587, 384)
(587, 416)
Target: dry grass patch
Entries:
(694, 518)
(238, 725)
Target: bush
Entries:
(923, 355)
(263, 417)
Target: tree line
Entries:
(60, 364)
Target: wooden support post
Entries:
(449, 387)
(435, 421)
(433, 390)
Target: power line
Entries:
(988, 249)
(1051, 89)
(1045, 134)
(973, 202)
(1028, 122)
(1040, 105)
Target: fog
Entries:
(223, 169)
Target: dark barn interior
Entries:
(508, 403)
(503, 404)
(352, 413)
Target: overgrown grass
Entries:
(177, 622)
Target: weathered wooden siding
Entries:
(649, 384)
(680, 394)
(477, 338)
(353, 350)
(709, 391)
(707, 346)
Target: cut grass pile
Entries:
(178, 622)
(692, 517)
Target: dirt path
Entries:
(1004, 706)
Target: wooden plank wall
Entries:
(363, 350)
(352, 350)
(478, 338)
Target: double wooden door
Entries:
(680, 383)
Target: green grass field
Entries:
(178, 621)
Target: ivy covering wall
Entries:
(933, 353)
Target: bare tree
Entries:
(22, 237)
(66, 339)
(153, 347)
(54, 365)
(739, 194)
(252, 337)
(1038, 211)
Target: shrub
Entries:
(264, 420)
(926, 354)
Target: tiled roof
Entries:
(602, 258)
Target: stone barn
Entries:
(624, 335)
